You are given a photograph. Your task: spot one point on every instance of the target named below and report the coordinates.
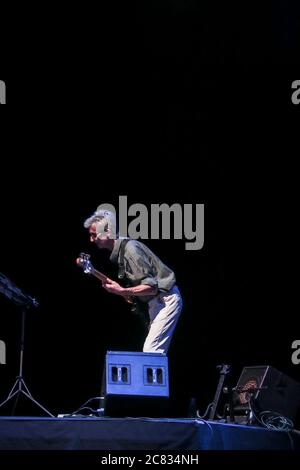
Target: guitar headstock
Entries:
(84, 262)
(224, 369)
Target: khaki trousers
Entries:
(164, 311)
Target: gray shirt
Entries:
(142, 266)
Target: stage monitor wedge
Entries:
(136, 384)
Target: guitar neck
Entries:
(217, 397)
(99, 275)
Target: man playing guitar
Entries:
(151, 281)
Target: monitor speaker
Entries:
(275, 391)
(135, 384)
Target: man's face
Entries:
(101, 241)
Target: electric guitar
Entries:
(224, 370)
(137, 307)
(85, 263)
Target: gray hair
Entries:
(105, 221)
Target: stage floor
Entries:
(116, 434)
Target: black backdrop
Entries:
(164, 104)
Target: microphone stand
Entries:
(20, 386)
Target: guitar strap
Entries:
(121, 271)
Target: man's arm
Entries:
(140, 290)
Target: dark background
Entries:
(167, 103)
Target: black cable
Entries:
(274, 420)
(206, 411)
(85, 403)
(84, 408)
(271, 420)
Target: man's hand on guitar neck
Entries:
(113, 287)
(128, 292)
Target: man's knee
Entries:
(150, 349)
(155, 346)
(148, 346)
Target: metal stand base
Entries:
(17, 389)
(19, 386)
